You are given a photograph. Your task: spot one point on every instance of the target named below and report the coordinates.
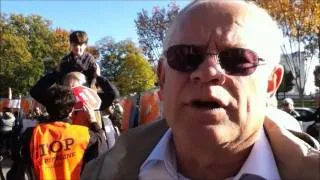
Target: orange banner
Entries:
(149, 107)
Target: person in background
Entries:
(314, 129)
(73, 79)
(37, 112)
(115, 112)
(288, 106)
(56, 149)
(78, 59)
(112, 118)
(7, 122)
(107, 94)
(221, 66)
(82, 62)
(80, 117)
(111, 130)
(28, 122)
(288, 121)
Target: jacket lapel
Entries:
(295, 158)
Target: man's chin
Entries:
(208, 118)
(78, 54)
(219, 134)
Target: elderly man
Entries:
(220, 68)
(288, 106)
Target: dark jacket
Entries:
(84, 64)
(292, 151)
(107, 96)
(314, 129)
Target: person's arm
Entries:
(109, 94)
(37, 91)
(97, 142)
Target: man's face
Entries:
(78, 49)
(288, 107)
(207, 104)
(37, 111)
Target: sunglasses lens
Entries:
(184, 58)
(238, 61)
(235, 61)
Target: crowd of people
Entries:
(218, 76)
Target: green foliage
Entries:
(122, 62)
(287, 82)
(94, 51)
(135, 75)
(305, 103)
(299, 21)
(113, 55)
(29, 47)
(15, 58)
(59, 48)
(151, 29)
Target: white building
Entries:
(303, 68)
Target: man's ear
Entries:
(161, 75)
(160, 72)
(275, 79)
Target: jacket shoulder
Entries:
(293, 150)
(127, 155)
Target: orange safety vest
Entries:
(57, 149)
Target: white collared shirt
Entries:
(161, 163)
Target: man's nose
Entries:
(209, 71)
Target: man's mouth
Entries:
(205, 104)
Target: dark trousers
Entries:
(6, 142)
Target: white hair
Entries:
(258, 30)
(288, 101)
(74, 76)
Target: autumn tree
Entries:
(151, 29)
(28, 47)
(15, 58)
(121, 61)
(94, 51)
(300, 24)
(113, 54)
(287, 83)
(135, 75)
(59, 48)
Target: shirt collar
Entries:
(259, 162)
(163, 152)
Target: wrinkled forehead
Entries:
(196, 24)
(220, 25)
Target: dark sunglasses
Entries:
(234, 61)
